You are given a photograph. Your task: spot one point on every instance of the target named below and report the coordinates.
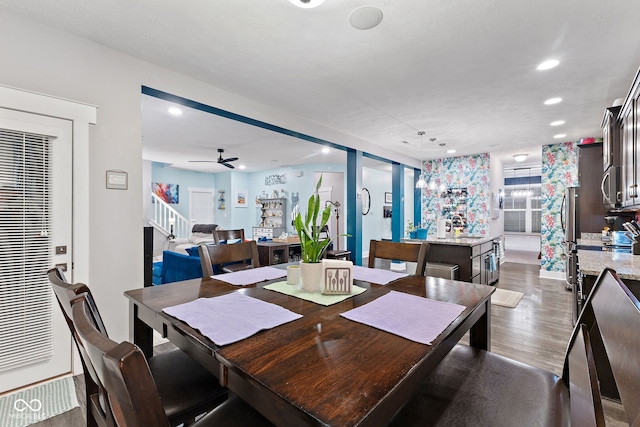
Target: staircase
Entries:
(163, 215)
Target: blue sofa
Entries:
(176, 267)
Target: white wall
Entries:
(374, 226)
(41, 59)
(496, 180)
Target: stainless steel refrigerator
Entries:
(570, 220)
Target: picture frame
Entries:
(388, 197)
(386, 211)
(117, 180)
(241, 199)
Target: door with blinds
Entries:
(35, 235)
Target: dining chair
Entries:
(131, 388)
(224, 235)
(474, 387)
(408, 252)
(228, 258)
(186, 388)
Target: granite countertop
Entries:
(456, 241)
(626, 265)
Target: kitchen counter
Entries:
(456, 241)
(627, 266)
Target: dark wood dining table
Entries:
(321, 369)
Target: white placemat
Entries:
(232, 317)
(375, 275)
(409, 316)
(251, 276)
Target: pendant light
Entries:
(435, 173)
(421, 183)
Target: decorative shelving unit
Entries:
(454, 206)
(221, 200)
(272, 218)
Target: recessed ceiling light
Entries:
(520, 157)
(242, 167)
(175, 111)
(557, 123)
(307, 4)
(546, 65)
(365, 17)
(326, 150)
(552, 101)
(451, 151)
(560, 135)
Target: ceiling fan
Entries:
(224, 162)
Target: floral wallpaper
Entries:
(559, 170)
(471, 172)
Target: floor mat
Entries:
(506, 298)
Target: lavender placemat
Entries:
(414, 318)
(376, 275)
(232, 317)
(251, 276)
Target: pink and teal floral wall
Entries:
(471, 172)
(559, 171)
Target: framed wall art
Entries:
(240, 199)
(168, 193)
(388, 198)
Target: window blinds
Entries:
(26, 334)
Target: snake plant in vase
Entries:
(312, 245)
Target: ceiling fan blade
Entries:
(230, 159)
(202, 161)
(228, 165)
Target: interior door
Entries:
(35, 235)
(201, 205)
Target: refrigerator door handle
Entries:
(562, 213)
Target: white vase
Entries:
(310, 276)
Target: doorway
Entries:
(35, 234)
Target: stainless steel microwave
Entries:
(611, 191)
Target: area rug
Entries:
(35, 404)
(506, 298)
(521, 257)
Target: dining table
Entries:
(321, 369)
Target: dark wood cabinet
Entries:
(630, 146)
(592, 210)
(474, 262)
(611, 155)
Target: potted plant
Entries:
(411, 229)
(312, 245)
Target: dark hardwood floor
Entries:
(536, 332)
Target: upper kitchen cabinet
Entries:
(630, 146)
(611, 138)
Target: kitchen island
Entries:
(477, 257)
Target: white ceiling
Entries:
(464, 71)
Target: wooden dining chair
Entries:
(473, 387)
(187, 389)
(131, 388)
(228, 258)
(408, 252)
(224, 235)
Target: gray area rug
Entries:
(35, 404)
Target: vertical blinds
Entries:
(26, 334)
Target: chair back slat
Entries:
(617, 315)
(586, 402)
(123, 369)
(411, 252)
(219, 235)
(218, 255)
